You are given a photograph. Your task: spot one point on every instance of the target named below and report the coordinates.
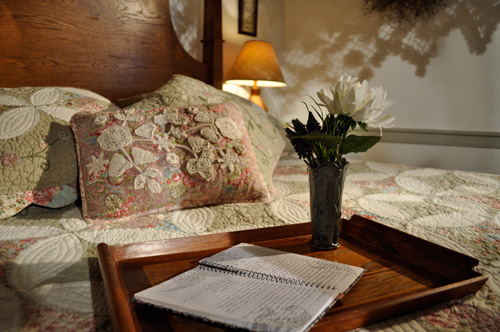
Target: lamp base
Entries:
(255, 97)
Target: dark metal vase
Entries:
(326, 184)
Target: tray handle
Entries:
(122, 315)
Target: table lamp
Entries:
(256, 66)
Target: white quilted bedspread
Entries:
(50, 278)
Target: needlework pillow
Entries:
(135, 162)
(264, 131)
(37, 151)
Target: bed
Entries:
(119, 62)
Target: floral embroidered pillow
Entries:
(135, 162)
(37, 151)
(265, 132)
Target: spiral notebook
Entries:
(256, 288)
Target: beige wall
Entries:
(442, 74)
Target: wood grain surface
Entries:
(117, 48)
(404, 273)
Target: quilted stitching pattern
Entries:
(263, 130)
(37, 150)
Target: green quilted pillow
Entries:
(37, 150)
(264, 131)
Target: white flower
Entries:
(142, 156)
(101, 120)
(165, 142)
(146, 130)
(228, 128)
(172, 158)
(170, 116)
(211, 134)
(193, 109)
(230, 161)
(202, 165)
(239, 148)
(97, 165)
(178, 133)
(113, 202)
(129, 115)
(204, 116)
(198, 144)
(142, 180)
(118, 165)
(353, 99)
(114, 138)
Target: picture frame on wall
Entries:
(247, 17)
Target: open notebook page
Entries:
(241, 301)
(296, 268)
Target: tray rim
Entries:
(123, 313)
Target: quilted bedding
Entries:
(50, 278)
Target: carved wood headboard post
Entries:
(212, 41)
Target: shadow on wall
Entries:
(341, 38)
(186, 24)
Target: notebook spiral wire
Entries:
(228, 269)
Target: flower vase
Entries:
(326, 185)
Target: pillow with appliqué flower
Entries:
(138, 162)
(37, 151)
(265, 132)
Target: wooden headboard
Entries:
(117, 48)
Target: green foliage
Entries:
(356, 144)
(327, 140)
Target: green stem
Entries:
(37, 153)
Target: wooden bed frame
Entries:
(117, 48)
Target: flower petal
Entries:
(228, 128)
(45, 97)
(140, 182)
(119, 164)
(204, 116)
(18, 121)
(152, 172)
(120, 116)
(114, 138)
(59, 112)
(12, 101)
(172, 158)
(142, 156)
(154, 186)
(146, 130)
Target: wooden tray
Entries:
(404, 273)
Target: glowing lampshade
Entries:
(256, 66)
